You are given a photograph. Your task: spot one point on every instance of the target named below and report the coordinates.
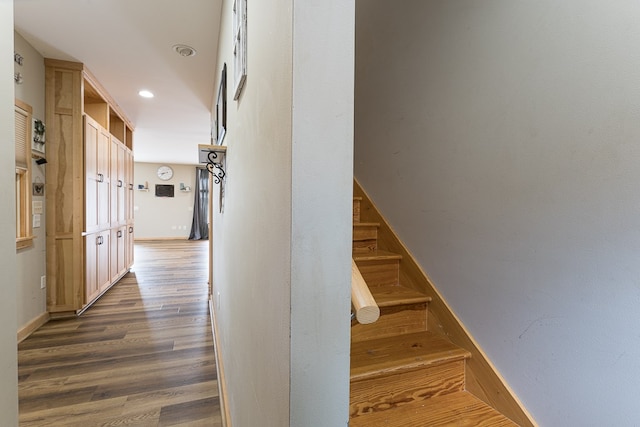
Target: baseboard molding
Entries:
(158, 239)
(32, 326)
(222, 383)
(482, 378)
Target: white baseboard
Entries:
(222, 384)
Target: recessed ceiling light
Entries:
(184, 50)
(145, 94)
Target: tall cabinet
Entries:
(89, 189)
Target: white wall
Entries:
(322, 184)
(500, 139)
(32, 300)
(282, 246)
(8, 313)
(163, 217)
(252, 239)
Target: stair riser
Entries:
(382, 393)
(365, 238)
(397, 320)
(356, 210)
(380, 272)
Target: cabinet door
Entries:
(104, 185)
(113, 193)
(122, 250)
(119, 238)
(91, 289)
(128, 168)
(114, 271)
(92, 176)
(128, 259)
(97, 173)
(103, 267)
(122, 185)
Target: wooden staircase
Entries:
(402, 374)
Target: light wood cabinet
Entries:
(89, 188)
(118, 264)
(97, 264)
(97, 176)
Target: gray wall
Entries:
(163, 217)
(500, 139)
(32, 300)
(282, 246)
(8, 313)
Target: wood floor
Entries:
(142, 355)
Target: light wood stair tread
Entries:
(358, 198)
(460, 409)
(390, 295)
(366, 224)
(387, 356)
(375, 255)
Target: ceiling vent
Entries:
(184, 50)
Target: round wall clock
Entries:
(165, 172)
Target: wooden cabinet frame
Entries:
(79, 186)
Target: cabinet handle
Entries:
(99, 240)
(100, 177)
(120, 183)
(130, 229)
(130, 186)
(119, 233)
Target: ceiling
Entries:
(128, 46)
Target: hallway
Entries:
(142, 355)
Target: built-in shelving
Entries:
(90, 220)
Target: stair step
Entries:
(365, 236)
(392, 355)
(392, 295)
(379, 267)
(378, 254)
(356, 209)
(391, 372)
(402, 311)
(456, 409)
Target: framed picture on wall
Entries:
(164, 190)
(220, 128)
(239, 46)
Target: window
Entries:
(24, 235)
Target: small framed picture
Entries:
(220, 119)
(38, 189)
(239, 46)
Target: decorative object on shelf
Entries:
(184, 188)
(220, 123)
(18, 58)
(143, 187)
(18, 78)
(165, 172)
(239, 46)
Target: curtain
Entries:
(199, 226)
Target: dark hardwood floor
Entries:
(142, 355)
